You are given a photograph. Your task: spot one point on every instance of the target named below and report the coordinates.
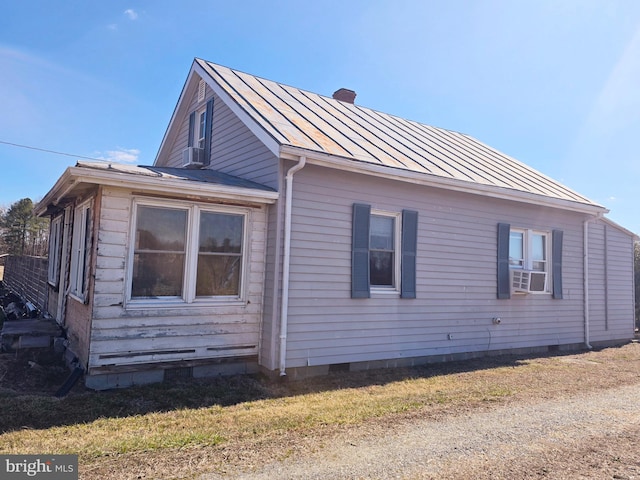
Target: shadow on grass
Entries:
(32, 411)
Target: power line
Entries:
(52, 151)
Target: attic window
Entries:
(201, 90)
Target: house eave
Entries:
(619, 227)
(288, 152)
(73, 177)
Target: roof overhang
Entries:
(76, 179)
(352, 165)
(619, 227)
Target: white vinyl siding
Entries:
(455, 271)
(611, 293)
(234, 149)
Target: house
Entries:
(293, 233)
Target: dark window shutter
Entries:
(207, 133)
(192, 121)
(409, 248)
(504, 287)
(360, 251)
(556, 258)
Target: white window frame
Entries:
(397, 238)
(527, 251)
(80, 251)
(200, 121)
(188, 297)
(55, 239)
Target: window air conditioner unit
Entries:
(192, 157)
(528, 281)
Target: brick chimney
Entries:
(345, 95)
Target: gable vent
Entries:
(201, 90)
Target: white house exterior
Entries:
(318, 233)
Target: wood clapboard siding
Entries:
(611, 295)
(456, 276)
(121, 336)
(234, 149)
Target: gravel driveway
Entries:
(594, 435)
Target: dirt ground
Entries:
(537, 445)
(32, 371)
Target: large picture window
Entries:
(219, 254)
(187, 253)
(160, 252)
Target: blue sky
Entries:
(555, 84)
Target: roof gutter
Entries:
(353, 165)
(284, 314)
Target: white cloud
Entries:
(120, 155)
(131, 13)
(112, 26)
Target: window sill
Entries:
(526, 294)
(384, 292)
(180, 303)
(77, 298)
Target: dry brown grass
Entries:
(200, 428)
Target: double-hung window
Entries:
(200, 130)
(80, 251)
(187, 253)
(201, 127)
(535, 255)
(382, 251)
(528, 250)
(383, 257)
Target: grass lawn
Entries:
(196, 427)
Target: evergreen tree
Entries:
(23, 233)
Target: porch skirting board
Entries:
(104, 378)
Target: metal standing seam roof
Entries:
(196, 175)
(298, 118)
